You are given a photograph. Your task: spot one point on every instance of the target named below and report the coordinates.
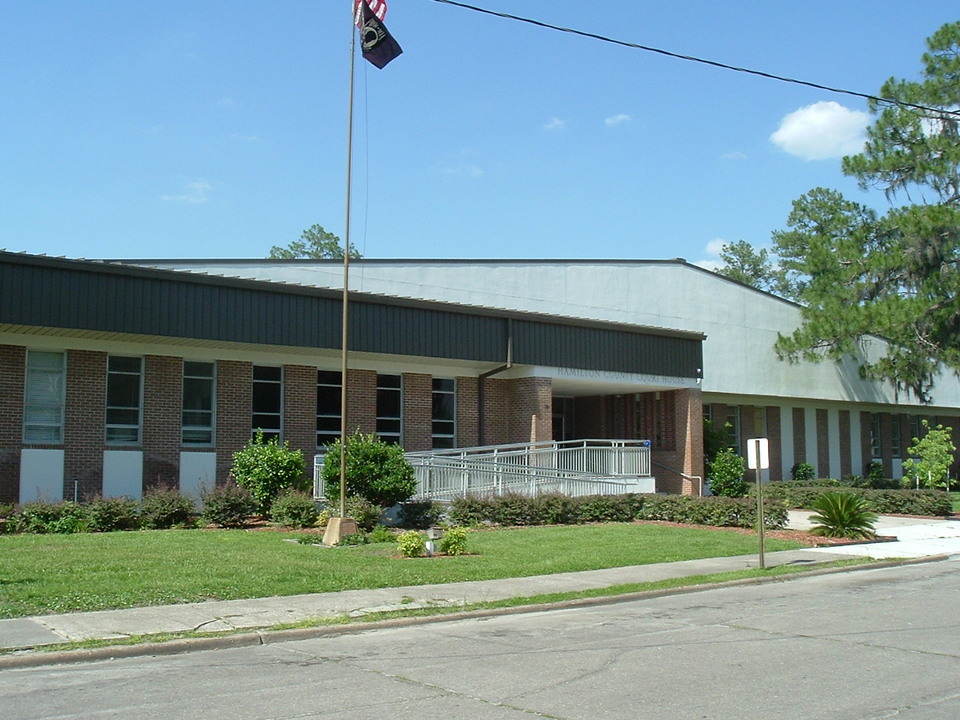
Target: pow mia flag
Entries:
(376, 42)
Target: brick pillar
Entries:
(866, 422)
(162, 406)
(84, 424)
(300, 410)
(846, 463)
(468, 411)
(800, 437)
(823, 444)
(361, 401)
(773, 434)
(234, 412)
(417, 412)
(531, 409)
(12, 373)
(689, 431)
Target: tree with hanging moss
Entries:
(859, 274)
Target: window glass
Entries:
(328, 407)
(198, 400)
(44, 397)
(124, 399)
(267, 401)
(389, 407)
(444, 425)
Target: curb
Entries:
(31, 657)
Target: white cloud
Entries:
(616, 119)
(555, 124)
(821, 131)
(195, 193)
(735, 155)
(712, 248)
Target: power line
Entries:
(702, 61)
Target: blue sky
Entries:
(217, 128)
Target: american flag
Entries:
(377, 7)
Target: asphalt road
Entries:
(880, 643)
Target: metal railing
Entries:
(576, 467)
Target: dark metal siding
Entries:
(603, 349)
(83, 295)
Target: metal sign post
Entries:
(758, 458)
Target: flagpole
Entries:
(346, 274)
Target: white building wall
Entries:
(41, 475)
(741, 324)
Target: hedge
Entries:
(899, 502)
(556, 509)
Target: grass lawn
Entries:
(64, 573)
(955, 499)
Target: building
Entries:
(117, 376)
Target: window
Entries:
(44, 397)
(390, 408)
(444, 412)
(198, 395)
(875, 436)
(268, 401)
(328, 407)
(759, 422)
(733, 427)
(124, 398)
(896, 442)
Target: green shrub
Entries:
(412, 544)
(376, 471)
(554, 509)
(265, 467)
(607, 508)
(165, 507)
(874, 472)
(419, 515)
(843, 514)
(802, 472)
(931, 457)
(470, 511)
(227, 505)
(366, 513)
(44, 517)
(293, 508)
(357, 538)
(726, 475)
(381, 534)
(454, 541)
(116, 513)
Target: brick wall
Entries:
(774, 435)
(84, 423)
(823, 444)
(417, 412)
(531, 409)
(300, 410)
(361, 401)
(234, 419)
(162, 407)
(468, 411)
(12, 372)
(800, 437)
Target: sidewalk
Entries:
(916, 538)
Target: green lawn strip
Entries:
(42, 574)
(955, 499)
(435, 610)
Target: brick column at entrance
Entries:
(689, 432)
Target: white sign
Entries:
(758, 454)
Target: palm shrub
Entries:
(376, 471)
(843, 514)
(265, 467)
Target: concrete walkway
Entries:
(916, 538)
